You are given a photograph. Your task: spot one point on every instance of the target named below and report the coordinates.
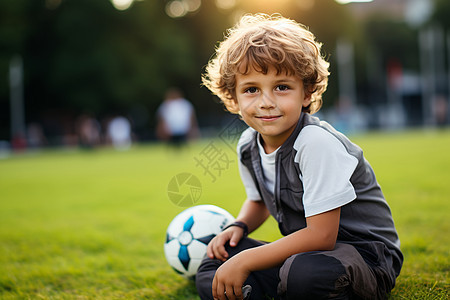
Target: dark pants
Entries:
(338, 274)
(178, 140)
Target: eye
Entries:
(251, 90)
(282, 87)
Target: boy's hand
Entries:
(216, 247)
(229, 279)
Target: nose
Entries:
(266, 101)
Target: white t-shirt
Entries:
(325, 167)
(177, 115)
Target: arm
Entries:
(253, 213)
(320, 234)
(161, 129)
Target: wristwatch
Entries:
(239, 224)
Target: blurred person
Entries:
(176, 120)
(339, 240)
(19, 142)
(88, 130)
(440, 109)
(119, 133)
(5, 149)
(35, 136)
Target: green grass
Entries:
(91, 224)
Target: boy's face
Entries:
(271, 104)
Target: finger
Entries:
(214, 288)
(218, 250)
(229, 293)
(220, 292)
(209, 250)
(221, 253)
(216, 247)
(235, 238)
(238, 292)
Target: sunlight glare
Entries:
(305, 4)
(225, 4)
(180, 8)
(192, 5)
(122, 4)
(176, 9)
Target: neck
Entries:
(270, 145)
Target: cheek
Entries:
(291, 106)
(293, 109)
(244, 105)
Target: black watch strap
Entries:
(239, 224)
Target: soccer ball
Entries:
(188, 235)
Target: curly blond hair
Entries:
(261, 41)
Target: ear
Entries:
(307, 99)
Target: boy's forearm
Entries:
(253, 213)
(273, 254)
(311, 238)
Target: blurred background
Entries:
(68, 65)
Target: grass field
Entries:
(91, 224)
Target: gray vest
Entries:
(366, 219)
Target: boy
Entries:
(339, 237)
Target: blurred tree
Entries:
(390, 43)
(441, 13)
(85, 55)
(394, 39)
(107, 60)
(16, 19)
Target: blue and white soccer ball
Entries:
(188, 235)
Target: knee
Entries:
(245, 243)
(207, 269)
(313, 276)
(204, 277)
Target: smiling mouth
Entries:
(268, 118)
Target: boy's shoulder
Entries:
(247, 136)
(315, 133)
